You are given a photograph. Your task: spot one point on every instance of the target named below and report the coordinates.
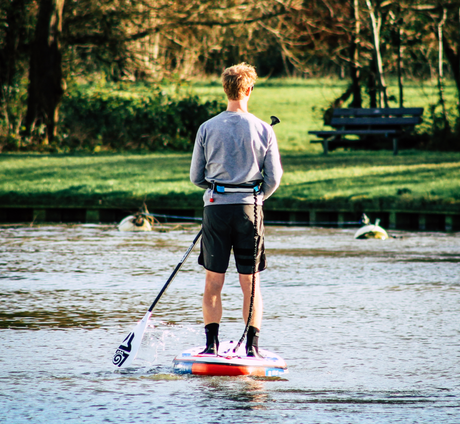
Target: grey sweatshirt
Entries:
(236, 148)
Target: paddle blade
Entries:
(127, 351)
(275, 120)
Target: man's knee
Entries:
(214, 282)
(246, 281)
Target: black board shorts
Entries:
(232, 226)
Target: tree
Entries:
(355, 71)
(133, 40)
(151, 39)
(377, 17)
(15, 40)
(444, 23)
(46, 83)
(17, 18)
(451, 40)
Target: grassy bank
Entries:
(359, 180)
(343, 180)
(300, 104)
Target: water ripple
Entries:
(369, 328)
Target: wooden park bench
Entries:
(368, 123)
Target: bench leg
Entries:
(325, 146)
(395, 146)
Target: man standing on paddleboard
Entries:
(236, 159)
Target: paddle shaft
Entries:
(176, 270)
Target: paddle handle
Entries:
(176, 270)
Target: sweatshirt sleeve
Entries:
(197, 167)
(273, 170)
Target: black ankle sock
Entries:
(212, 338)
(252, 342)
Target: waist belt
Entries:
(232, 188)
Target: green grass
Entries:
(342, 180)
(106, 180)
(300, 104)
(373, 180)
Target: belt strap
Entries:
(232, 188)
(222, 189)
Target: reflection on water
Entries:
(246, 393)
(369, 328)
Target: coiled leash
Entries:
(253, 188)
(274, 121)
(253, 288)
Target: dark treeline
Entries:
(47, 45)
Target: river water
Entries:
(369, 328)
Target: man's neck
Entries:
(238, 105)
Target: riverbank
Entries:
(422, 188)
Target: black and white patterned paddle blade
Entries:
(127, 351)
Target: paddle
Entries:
(127, 351)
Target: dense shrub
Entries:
(128, 116)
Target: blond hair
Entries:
(237, 79)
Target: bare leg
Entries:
(212, 302)
(257, 311)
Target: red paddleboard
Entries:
(229, 363)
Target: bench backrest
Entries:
(375, 118)
(403, 111)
